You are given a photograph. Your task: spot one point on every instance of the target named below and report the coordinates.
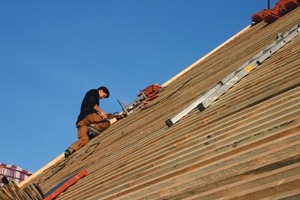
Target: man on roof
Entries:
(90, 113)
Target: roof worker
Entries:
(90, 113)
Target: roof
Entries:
(246, 145)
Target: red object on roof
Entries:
(280, 9)
(151, 91)
(271, 17)
(62, 186)
(260, 16)
(292, 4)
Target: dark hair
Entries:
(105, 90)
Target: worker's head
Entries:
(103, 92)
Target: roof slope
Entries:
(246, 145)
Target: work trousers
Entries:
(82, 128)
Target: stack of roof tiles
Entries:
(246, 145)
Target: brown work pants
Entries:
(82, 128)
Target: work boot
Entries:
(68, 152)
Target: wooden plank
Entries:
(40, 171)
(245, 184)
(11, 191)
(135, 182)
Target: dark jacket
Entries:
(90, 99)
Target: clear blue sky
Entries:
(53, 52)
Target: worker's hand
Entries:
(103, 115)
